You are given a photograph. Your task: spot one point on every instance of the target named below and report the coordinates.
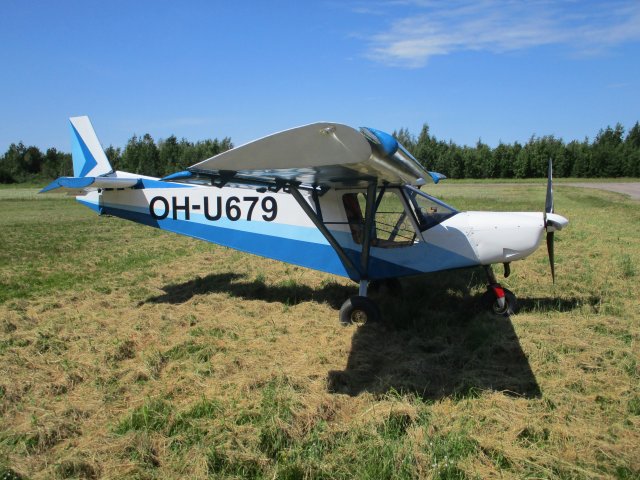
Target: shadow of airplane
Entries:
(234, 284)
(436, 341)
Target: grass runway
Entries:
(127, 352)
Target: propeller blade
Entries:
(548, 206)
(551, 257)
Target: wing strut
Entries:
(369, 223)
(353, 271)
(361, 274)
(369, 218)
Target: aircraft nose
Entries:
(500, 237)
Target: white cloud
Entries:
(444, 27)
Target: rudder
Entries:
(88, 156)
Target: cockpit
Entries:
(400, 214)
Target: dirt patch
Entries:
(631, 189)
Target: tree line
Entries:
(141, 155)
(612, 153)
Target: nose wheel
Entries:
(504, 308)
(502, 300)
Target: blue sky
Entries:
(494, 70)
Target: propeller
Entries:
(552, 221)
(548, 208)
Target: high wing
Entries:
(322, 154)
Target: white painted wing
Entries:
(322, 153)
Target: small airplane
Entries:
(323, 196)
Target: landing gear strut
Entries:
(503, 301)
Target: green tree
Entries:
(188, 154)
(56, 164)
(579, 154)
(114, 155)
(425, 149)
(13, 169)
(632, 152)
(607, 158)
(505, 158)
(407, 140)
(487, 166)
(169, 151)
(32, 161)
(141, 156)
(5, 173)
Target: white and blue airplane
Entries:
(323, 196)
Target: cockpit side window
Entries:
(429, 211)
(393, 226)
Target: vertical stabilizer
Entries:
(89, 159)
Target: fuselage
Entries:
(413, 233)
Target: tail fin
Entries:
(89, 159)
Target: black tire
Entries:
(510, 303)
(359, 311)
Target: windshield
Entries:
(429, 211)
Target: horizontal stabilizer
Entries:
(82, 185)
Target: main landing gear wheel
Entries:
(510, 303)
(358, 311)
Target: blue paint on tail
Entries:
(83, 160)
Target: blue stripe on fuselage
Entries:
(310, 254)
(299, 252)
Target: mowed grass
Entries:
(127, 352)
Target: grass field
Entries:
(126, 352)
